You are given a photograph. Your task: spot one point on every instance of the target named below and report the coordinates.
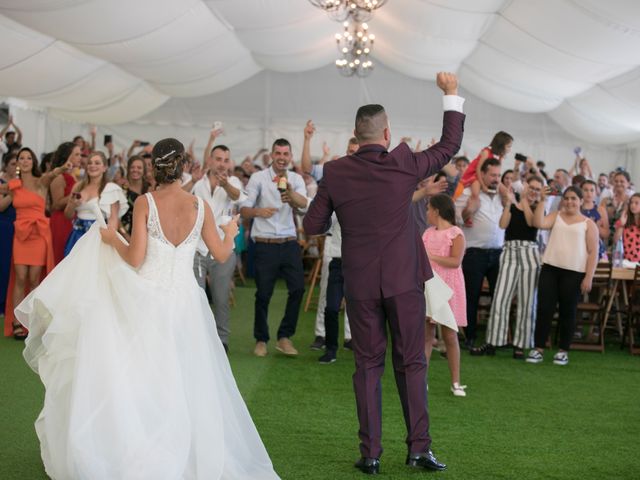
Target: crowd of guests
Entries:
(529, 234)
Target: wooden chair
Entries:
(314, 274)
(632, 324)
(591, 310)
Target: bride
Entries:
(138, 385)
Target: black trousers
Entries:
(560, 287)
(335, 294)
(273, 260)
(477, 264)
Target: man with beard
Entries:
(222, 192)
(272, 196)
(384, 265)
(484, 243)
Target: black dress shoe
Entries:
(425, 460)
(486, 349)
(370, 466)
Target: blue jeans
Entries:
(477, 264)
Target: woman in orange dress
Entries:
(32, 256)
(60, 190)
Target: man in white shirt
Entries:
(277, 251)
(222, 193)
(484, 241)
(332, 245)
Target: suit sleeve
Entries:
(431, 160)
(317, 220)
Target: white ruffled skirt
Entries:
(138, 385)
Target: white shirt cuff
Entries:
(453, 103)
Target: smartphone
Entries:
(108, 139)
(521, 157)
(144, 144)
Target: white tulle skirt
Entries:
(138, 385)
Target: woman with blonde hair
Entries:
(94, 188)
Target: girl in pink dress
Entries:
(445, 245)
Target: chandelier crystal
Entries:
(341, 10)
(354, 45)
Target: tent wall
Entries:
(271, 105)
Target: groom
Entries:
(385, 267)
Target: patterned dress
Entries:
(631, 243)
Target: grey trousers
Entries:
(220, 275)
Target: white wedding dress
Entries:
(138, 386)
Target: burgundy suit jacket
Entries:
(370, 191)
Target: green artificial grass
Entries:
(519, 421)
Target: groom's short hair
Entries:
(371, 120)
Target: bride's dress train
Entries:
(138, 385)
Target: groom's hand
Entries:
(447, 82)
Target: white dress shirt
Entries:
(220, 203)
(262, 192)
(485, 232)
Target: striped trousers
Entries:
(519, 269)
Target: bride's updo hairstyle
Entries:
(168, 160)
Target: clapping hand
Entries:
(623, 218)
(431, 187)
(223, 179)
(196, 172)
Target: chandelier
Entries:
(341, 10)
(355, 44)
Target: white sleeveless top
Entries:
(567, 247)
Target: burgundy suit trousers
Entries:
(405, 314)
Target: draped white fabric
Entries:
(110, 62)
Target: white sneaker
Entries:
(561, 358)
(534, 356)
(458, 390)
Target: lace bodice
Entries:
(167, 264)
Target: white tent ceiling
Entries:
(113, 61)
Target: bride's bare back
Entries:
(177, 212)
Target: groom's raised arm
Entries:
(317, 220)
(431, 160)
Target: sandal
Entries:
(19, 332)
(458, 390)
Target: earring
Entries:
(17, 172)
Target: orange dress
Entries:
(61, 226)
(31, 242)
